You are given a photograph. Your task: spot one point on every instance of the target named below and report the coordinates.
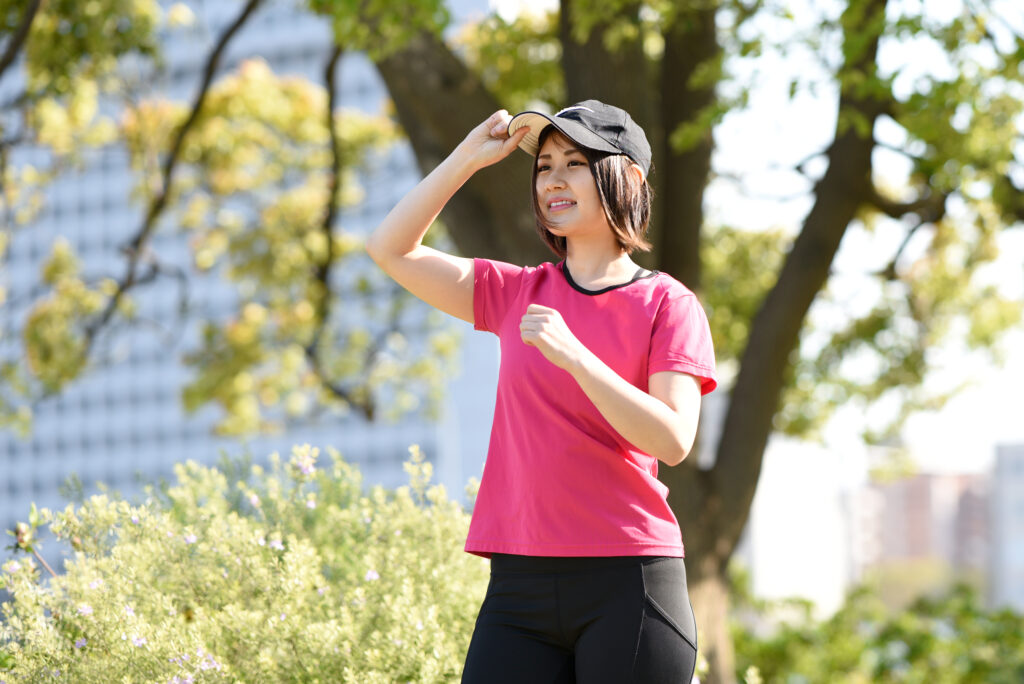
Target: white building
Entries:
(1006, 572)
(799, 538)
(124, 421)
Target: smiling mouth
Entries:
(560, 204)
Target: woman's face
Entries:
(566, 191)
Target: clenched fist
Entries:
(544, 328)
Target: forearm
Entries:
(643, 420)
(402, 230)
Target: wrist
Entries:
(463, 160)
(580, 364)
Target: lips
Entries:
(560, 203)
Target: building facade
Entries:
(1006, 577)
(123, 423)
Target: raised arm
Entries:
(442, 280)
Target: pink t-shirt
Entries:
(559, 480)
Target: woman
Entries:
(603, 365)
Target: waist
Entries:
(503, 563)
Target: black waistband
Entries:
(506, 563)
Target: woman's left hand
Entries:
(543, 327)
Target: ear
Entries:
(637, 172)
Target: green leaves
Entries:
(285, 574)
(379, 27)
(518, 60)
(739, 268)
(71, 41)
(946, 639)
(54, 332)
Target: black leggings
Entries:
(587, 620)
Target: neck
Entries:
(590, 262)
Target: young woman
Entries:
(603, 365)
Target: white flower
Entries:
(180, 15)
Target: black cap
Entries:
(592, 124)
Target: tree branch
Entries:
(323, 270)
(889, 272)
(898, 150)
(929, 206)
(135, 248)
(19, 37)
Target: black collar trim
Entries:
(639, 275)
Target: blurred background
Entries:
(186, 186)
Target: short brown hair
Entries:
(626, 201)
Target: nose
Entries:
(553, 179)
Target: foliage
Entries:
(517, 59)
(252, 198)
(291, 574)
(258, 180)
(264, 165)
(379, 27)
(951, 638)
(730, 301)
(878, 346)
(71, 54)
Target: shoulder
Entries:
(665, 289)
(509, 279)
(507, 268)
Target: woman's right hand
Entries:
(489, 142)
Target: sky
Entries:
(773, 132)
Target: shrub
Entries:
(947, 639)
(291, 574)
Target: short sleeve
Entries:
(681, 341)
(496, 284)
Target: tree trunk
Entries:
(690, 44)
(588, 66)
(775, 331)
(709, 594)
(438, 101)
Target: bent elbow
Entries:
(680, 448)
(372, 248)
(675, 457)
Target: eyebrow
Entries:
(570, 150)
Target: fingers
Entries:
(497, 124)
(531, 334)
(518, 136)
(536, 321)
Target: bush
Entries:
(288, 575)
(936, 640)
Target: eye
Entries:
(576, 162)
(542, 167)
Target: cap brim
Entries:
(575, 131)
